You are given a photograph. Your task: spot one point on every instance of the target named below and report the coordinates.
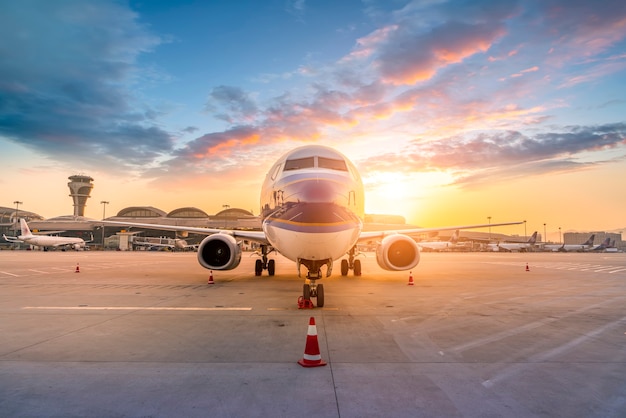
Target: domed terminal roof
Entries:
(141, 212)
(188, 212)
(234, 213)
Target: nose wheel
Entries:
(313, 290)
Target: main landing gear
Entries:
(264, 263)
(351, 263)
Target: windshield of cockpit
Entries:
(311, 162)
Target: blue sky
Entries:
(452, 110)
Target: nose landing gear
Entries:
(312, 289)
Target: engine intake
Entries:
(397, 252)
(219, 252)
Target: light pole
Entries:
(545, 237)
(560, 240)
(225, 218)
(104, 207)
(525, 235)
(489, 218)
(17, 218)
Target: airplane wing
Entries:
(256, 236)
(370, 235)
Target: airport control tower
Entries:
(80, 188)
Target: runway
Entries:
(142, 334)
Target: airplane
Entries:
(587, 245)
(611, 248)
(171, 243)
(601, 247)
(440, 245)
(515, 246)
(45, 241)
(312, 210)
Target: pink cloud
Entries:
(408, 58)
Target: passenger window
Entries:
(331, 164)
(300, 163)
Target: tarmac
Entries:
(143, 334)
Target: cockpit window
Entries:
(299, 163)
(331, 164)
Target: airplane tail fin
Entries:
(590, 240)
(25, 229)
(455, 237)
(533, 238)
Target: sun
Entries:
(405, 194)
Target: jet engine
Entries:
(219, 252)
(397, 252)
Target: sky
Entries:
(455, 112)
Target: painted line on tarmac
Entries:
(132, 308)
(9, 274)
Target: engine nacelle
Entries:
(219, 252)
(397, 252)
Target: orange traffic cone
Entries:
(211, 278)
(312, 357)
(77, 269)
(411, 279)
(527, 269)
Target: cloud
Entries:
(408, 57)
(231, 104)
(296, 8)
(507, 153)
(67, 75)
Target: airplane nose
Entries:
(318, 191)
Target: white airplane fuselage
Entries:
(312, 206)
(51, 241)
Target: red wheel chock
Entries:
(304, 303)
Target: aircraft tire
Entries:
(320, 295)
(344, 267)
(306, 292)
(357, 267)
(258, 268)
(271, 267)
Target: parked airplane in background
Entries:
(605, 244)
(611, 248)
(312, 209)
(515, 246)
(170, 243)
(46, 241)
(440, 245)
(586, 246)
